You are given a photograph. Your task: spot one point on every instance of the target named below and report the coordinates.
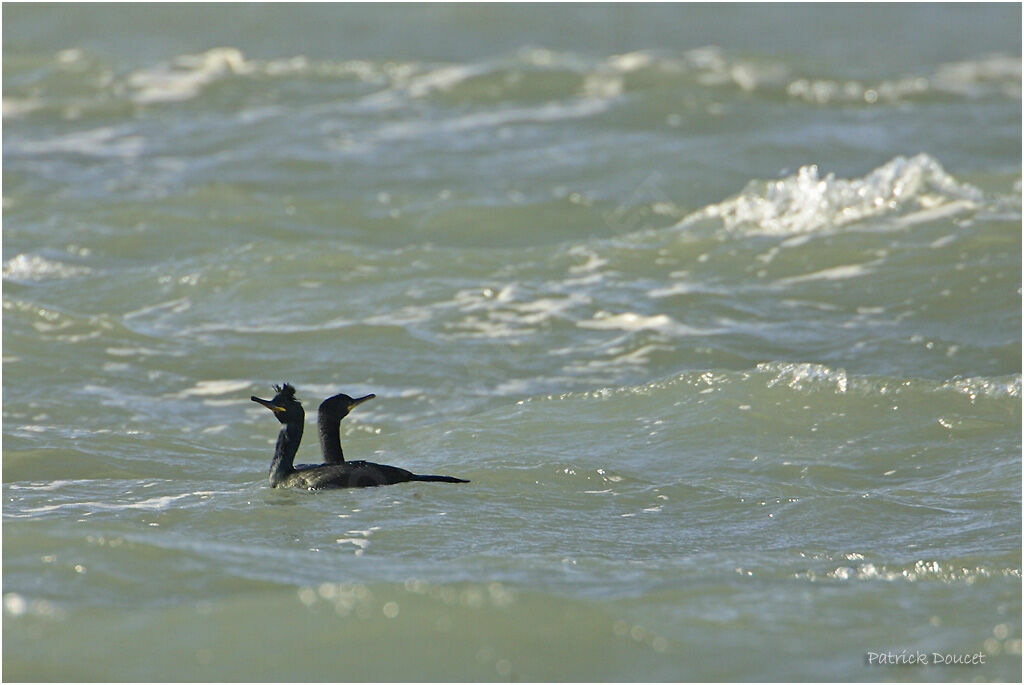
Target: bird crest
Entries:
(285, 391)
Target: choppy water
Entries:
(718, 307)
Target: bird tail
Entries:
(439, 479)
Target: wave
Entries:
(918, 571)
(186, 76)
(529, 73)
(989, 76)
(27, 268)
(806, 202)
(127, 501)
(807, 378)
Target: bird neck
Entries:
(330, 439)
(284, 452)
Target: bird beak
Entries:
(268, 404)
(360, 400)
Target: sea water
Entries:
(718, 307)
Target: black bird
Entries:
(340, 474)
(328, 417)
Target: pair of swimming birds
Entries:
(335, 472)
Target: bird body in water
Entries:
(336, 472)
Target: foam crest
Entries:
(103, 142)
(630, 321)
(150, 504)
(27, 267)
(16, 108)
(806, 377)
(580, 108)
(806, 202)
(919, 571)
(802, 376)
(975, 387)
(709, 65)
(213, 388)
(443, 79)
(187, 75)
(995, 75)
(507, 311)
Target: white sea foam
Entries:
(547, 308)
(602, 85)
(808, 376)
(637, 357)
(152, 504)
(835, 273)
(973, 79)
(361, 543)
(632, 61)
(935, 213)
(685, 288)
(219, 387)
(29, 267)
(806, 202)
(443, 79)
(630, 321)
(52, 485)
(593, 263)
(186, 76)
(14, 108)
(799, 376)
(1006, 386)
(139, 352)
(981, 77)
(104, 142)
(400, 317)
(708, 65)
(578, 108)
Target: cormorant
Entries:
(328, 417)
(340, 474)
